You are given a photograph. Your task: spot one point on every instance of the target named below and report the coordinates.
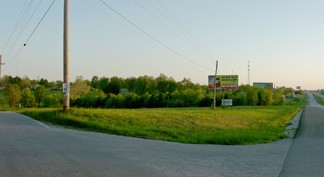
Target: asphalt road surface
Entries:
(31, 149)
(306, 155)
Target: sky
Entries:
(282, 39)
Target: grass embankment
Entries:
(232, 125)
(318, 98)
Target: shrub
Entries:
(92, 99)
(240, 98)
(13, 94)
(115, 101)
(54, 99)
(27, 99)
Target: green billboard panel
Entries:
(224, 82)
(263, 85)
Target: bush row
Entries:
(246, 95)
(137, 93)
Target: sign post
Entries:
(215, 84)
(223, 82)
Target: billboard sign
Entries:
(263, 85)
(224, 82)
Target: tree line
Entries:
(143, 91)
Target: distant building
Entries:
(263, 85)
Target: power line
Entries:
(39, 2)
(186, 32)
(153, 38)
(22, 27)
(15, 27)
(39, 22)
(108, 16)
(19, 51)
(178, 33)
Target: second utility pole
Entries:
(66, 82)
(1, 66)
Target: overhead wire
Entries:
(22, 27)
(32, 15)
(177, 32)
(39, 22)
(32, 33)
(109, 17)
(152, 37)
(15, 27)
(186, 32)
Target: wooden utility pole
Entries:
(1, 67)
(214, 105)
(66, 82)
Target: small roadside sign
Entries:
(227, 102)
(66, 87)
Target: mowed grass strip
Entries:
(318, 98)
(230, 126)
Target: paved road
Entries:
(28, 148)
(306, 155)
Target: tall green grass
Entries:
(230, 126)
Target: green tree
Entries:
(43, 82)
(186, 98)
(278, 96)
(265, 97)
(103, 84)
(39, 94)
(115, 85)
(27, 99)
(186, 82)
(51, 85)
(5, 80)
(53, 99)
(16, 80)
(240, 98)
(79, 88)
(92, 99)
(25, 82)
(13, 94)
(252, 98)
(165, 84)
(269, 97)
(156, 100)
(115, 101)
(59, 85)
(130, 84)
(95, 82)
(145, 84)
(289, 92)
(133, 101)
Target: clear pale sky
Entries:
(282, 39)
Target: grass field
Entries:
(232, 125)
(319, 99)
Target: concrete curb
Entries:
(292, 128)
